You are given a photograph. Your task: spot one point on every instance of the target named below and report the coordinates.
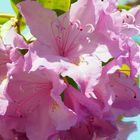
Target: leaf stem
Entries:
(18, 23)
(7, 16)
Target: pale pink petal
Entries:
(3, 100)
(86, 74)
(127, 98)
(13, 39)
(82, 8)
(136, 13)
(38, 125)
(4, 59)
(41, 17)
(78, 102)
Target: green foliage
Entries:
(5, 17)
(14, 3)
(72, 1)
(60, 6)
(20, 20)
(7, 20)
(23, 51)
(105, 63)
(126, 7)
(62, 96)
(59, 12)
(72, 82)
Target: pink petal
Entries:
(86, 74)
(3, 100)
(81, 8)
(43, 16)
(126, 93)
(14, 39)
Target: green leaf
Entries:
(72, 82)
(14, 3)
(23, 51)
(126, 7)
(62, 96)
(4, 17)
(59, 12)
(73, 1)
(62, 5)
(105, 63)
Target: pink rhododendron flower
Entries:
(136, 13)
(70, 33)
(127, 98)
(10, 47)
(63, 35)
(130, 55)
(86, 74)
(120, 30)
(10, 55)
(15, 42)
(67, 84)
(37, 93)
(92, 130)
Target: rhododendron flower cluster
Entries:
(69, 84)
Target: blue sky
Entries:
(6, 7)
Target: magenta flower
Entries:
(135, 12)
(29, 94)
(65, 36)
(70, 35)
(9, 55)
(67, 84)
(16, 43)
(10, 47)
(93, 129)
(127, 98)
(130, 55)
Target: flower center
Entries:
(68, 36)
